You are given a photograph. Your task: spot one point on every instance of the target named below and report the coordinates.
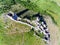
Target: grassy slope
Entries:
(20, 39)
(44, 7)
(17, 37)
(13, 36)
(58, 1)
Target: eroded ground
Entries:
(54, 31)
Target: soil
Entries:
(54, 31)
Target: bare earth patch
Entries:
(54, 31)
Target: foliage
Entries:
(5, 5)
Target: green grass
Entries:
(13, 26)
(46, 7)
(26, 38)
(7, 37)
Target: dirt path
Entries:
(54, 31)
